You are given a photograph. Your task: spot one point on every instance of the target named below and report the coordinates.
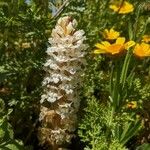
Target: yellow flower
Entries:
(110, 34)
(114, 48)
(146, 38)
(132, 105)
(142, 50)
(124, 8)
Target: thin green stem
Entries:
(125, 68)
(115, 85)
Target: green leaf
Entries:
(145, 146)
(130, 131)
(2, 133)
(6, 131)
(6, 137)
(12, 145)
(2, 106)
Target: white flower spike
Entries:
(60, 100)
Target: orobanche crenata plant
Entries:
(60, 99)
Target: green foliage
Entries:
(122, 122)
(7, 138)
(95, 127)
(7, 141)
(24, 31)
(145, 146)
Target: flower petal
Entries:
(111, 34)
(129, 44)
(106, 31)
(142, 50)
(146, 38)
(100, 46)
(145, 46)
(99, 51)
(115, 49)
(113, 7)
(105, 43)
(120, 40)
(112, 30)
(124, 8)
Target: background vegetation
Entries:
(24, 30)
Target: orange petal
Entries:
(145, 46)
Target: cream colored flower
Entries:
(60, 100)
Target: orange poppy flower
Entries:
(124, 8)
(114, 48)
(142, 50)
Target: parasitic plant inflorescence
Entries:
(64, 69)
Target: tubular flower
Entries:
(142, 50)
(122, 8)
(110, 34)
(60, 100)
(146, 38)
(116, 48)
